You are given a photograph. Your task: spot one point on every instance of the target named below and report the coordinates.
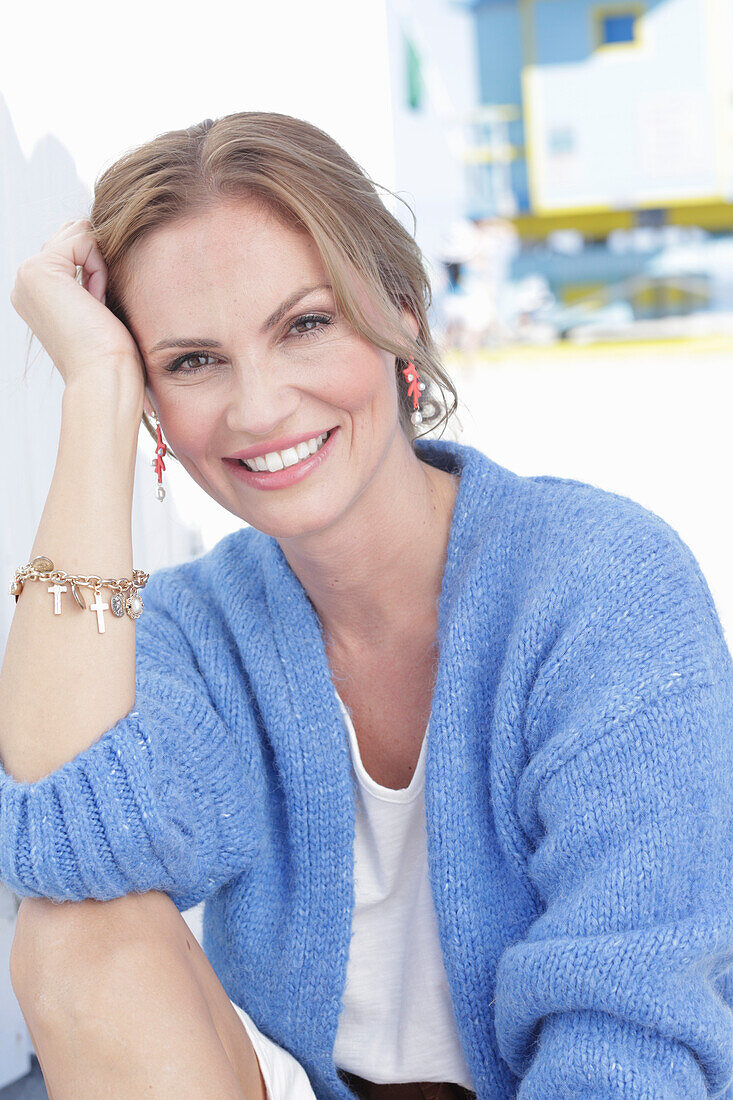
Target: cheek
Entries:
(365, 381)
(189, 430)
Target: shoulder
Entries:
(563, 545)
(541, 524)
(571, 560)
(622, 579)
(602, 536)
(580, 510)
(563, 518)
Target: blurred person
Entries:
(458, 248)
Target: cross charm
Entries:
(57, 589)
(100, 608)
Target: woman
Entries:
(445, 750)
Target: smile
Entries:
(280, 469)
(278, 460)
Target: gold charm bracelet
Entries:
(125, 597)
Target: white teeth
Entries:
(278, 460)
(289, 456)
(274, 461)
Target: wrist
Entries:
(104, 395)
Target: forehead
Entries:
(223, 253)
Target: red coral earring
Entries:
(158, 463)
(414, 389)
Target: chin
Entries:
(294, 522)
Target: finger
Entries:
(97, 285)
(91, 281)
(85, 253)
(82, 254)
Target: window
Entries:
(617, 26)
(616, 29)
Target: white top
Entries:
(397, 1021)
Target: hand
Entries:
(69, 317)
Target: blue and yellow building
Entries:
(610, 118)
(612, 113)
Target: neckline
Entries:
(303, 652)
(378, 790)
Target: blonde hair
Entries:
(305, 179)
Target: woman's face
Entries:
(232, 367)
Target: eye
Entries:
(198, 358)
(312, 318)
(177, 364)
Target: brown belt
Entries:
(414, 1090)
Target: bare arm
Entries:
(62, 682)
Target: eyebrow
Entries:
(272, 320)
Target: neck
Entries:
(375, 575)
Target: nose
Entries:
(257, 405)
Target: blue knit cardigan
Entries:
(579, 794)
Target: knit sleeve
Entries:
(622, 987)
(163, 800)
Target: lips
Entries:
(290, 475)
(278, 444)
(321, 441)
